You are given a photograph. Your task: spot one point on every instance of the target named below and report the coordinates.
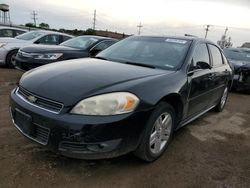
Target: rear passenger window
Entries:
(18, 32)
(224, 59)
(216, 55)
(49, 39)
(64, 38)
(201, 54)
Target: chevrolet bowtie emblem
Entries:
(32, 99)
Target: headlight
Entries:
(50, 56)
(107, 104)
(2, 44)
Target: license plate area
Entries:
(24, 122)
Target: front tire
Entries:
(158, 133)
(10, 59)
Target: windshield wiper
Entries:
(140, 64)
(103, 58)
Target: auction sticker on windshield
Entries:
(176, 41)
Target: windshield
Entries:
(30, 35)
(80, 42)
(237, 54)
(161, 52)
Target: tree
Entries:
(225, 42)
(30, 25)
(89, 32)
(44, 25)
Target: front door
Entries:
(200, 82)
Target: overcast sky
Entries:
(163, 17)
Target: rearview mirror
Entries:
(203, 65)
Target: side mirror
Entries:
(37, 42)
(203, 65)
(94, 52)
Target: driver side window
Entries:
(201, 54)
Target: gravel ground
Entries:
(213, 151)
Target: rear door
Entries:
(221, 72)
(199, 81)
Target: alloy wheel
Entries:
(13, 60)
(160, 133)
(224, 97)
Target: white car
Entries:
(10, 46)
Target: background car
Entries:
(240, 59)
(10, 46)
(130, 98)
(11, 31)
(84, 46)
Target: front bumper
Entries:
(85, 137)
(242, 80)
(25, 63)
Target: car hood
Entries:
(12, 40)
(238, 64)
(71, 81)
(46, 48)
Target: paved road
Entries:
(213, 151)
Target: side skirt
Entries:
(185, 122)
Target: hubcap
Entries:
(160, 133)
(224, 97)
(13, 60)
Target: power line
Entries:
(139, 28)
(94, 20)
(34, 17)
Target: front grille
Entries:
(40, 102)
(42, 134)
(73, 146)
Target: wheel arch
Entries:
(174, 99)
(12, 50)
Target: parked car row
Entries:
(84, 46)
(10, 46)
(130, 97)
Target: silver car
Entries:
(10, 46)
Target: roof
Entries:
(51, 32)
(191, 38)
(15, 28)
(97, 37)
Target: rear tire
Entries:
(223, 100)
(10, 59)
(158, 133)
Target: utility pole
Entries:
(139, 28)
(207, 29)
(34, 17)
(94, 20)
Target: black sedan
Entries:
(130, 98)
(240, 60)
(84, 46)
